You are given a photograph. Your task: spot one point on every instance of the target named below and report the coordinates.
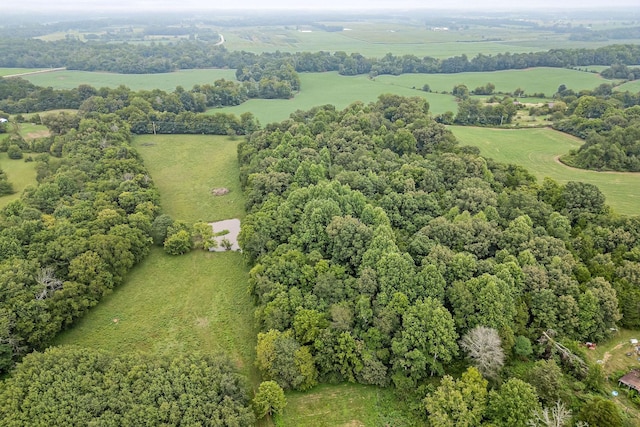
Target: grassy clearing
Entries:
(186, 167)
(534, 80)
(538, 149)
(633, 86)
(351, 405)
(612, 356)
(170, 305)
(20, 174)
(332, 88)
(164, 81)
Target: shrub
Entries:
(14, 152)
(179, 243)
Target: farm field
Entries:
(186, 167)
(402, 38)
(165, 81)
(538, 149)
(11, 71)
(20, 174)
(332, 88)
(534, 80)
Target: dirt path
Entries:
(607, 355)
(48, 70)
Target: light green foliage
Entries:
(203, 235)
(522, 347)
(513, 404)
(269, 399)
(279, 357)
(179, 243)
(601, 412)
(458, 403)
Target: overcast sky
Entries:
(160, 5)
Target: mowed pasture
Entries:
(186, 168)
(165, 81)
(538, 151)
(332, 88)
(633, 86)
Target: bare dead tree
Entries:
(484, 347)
(47, 279)
(558, 416)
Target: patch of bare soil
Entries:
(38, 134)
(233, 228)
(219, 191)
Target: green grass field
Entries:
(349, 405)
(533, 80)
(186, 167)
(20, 174)
(164, 81)
(538, 149)
(332, 88)
(633, 86)
(170, 305)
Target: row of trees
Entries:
(184, 54)
(377, 244)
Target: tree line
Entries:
(186, 54)
(377, 244)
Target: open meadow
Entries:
(165, 81)
(13, 71)
(186, 168)
(332, 88)
(20, 174)
(538, 150)
(533, 80)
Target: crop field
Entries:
(379, 38)
(165, 81)
(533, 80)
(187, 167)
(538, 150)
(20, 174)
(332, 88)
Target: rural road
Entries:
(221, 40)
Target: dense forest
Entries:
(66, 386)
(378, 243)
